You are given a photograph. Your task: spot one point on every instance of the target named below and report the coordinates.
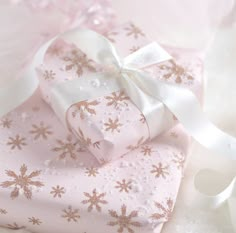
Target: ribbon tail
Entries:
(185, 106)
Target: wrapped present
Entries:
(101, 123)
(42, 192)
(50, 183)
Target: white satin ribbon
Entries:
(216, 189)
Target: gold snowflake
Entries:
(137, 145)
(91, 171)
(6, 123)
(133, 30)
(160, 170)
(71, 214)
(35, 221)
(57, 191)
(15, 226)
(147, 150)
(94, 200)
(134, 49)
(79, 61)
(117, 99)
(124, 185)
(179, 160)
(41, 131)
(110, 36)
(17, 142)
(22, 182)
(171, 69)
(85, 107)
(84, 141)
(165, 211)
(113, 125)
(67, 148)
(49, 75)
(124, 221)
(3, 211)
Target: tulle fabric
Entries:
(182, 23)
(26, 24)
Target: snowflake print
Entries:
(84, 107)
(171, 69)
(165, 212)
(133, 30)
(179, 160)
(134, 49)
(17, 142)
(113, 125)
(147, 150)
(124, 221)
(79, 61)
(137, 145)
(41, 131)
(117, 99)
(3, 211)
(124, 186)
(15, 226)
(49, 75)
(67, 148)
(84, 141)
(71, 214)
(6, 123)
(35, 221)
(92, 171)
(57, 191)
(160, 170)
(110, 36)
(94, 200)
(22, 182)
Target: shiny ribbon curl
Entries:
(180, 101)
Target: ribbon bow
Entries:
(117, 73)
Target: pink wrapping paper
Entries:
(50, 183)
(101, 124)
(43, 192)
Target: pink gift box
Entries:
(43, 192)
(101, 124)
(50, 183)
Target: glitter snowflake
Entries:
(133, 30)
(17, 142)
(22, 182)
(124, 221)
(113, 125)
(35, 221)
(117, 99)
(79, 61)
(160, 170)
(57, 191)
(165, 210)
(41, 131)
(94, 200)
(71, 214)
(124, 186)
